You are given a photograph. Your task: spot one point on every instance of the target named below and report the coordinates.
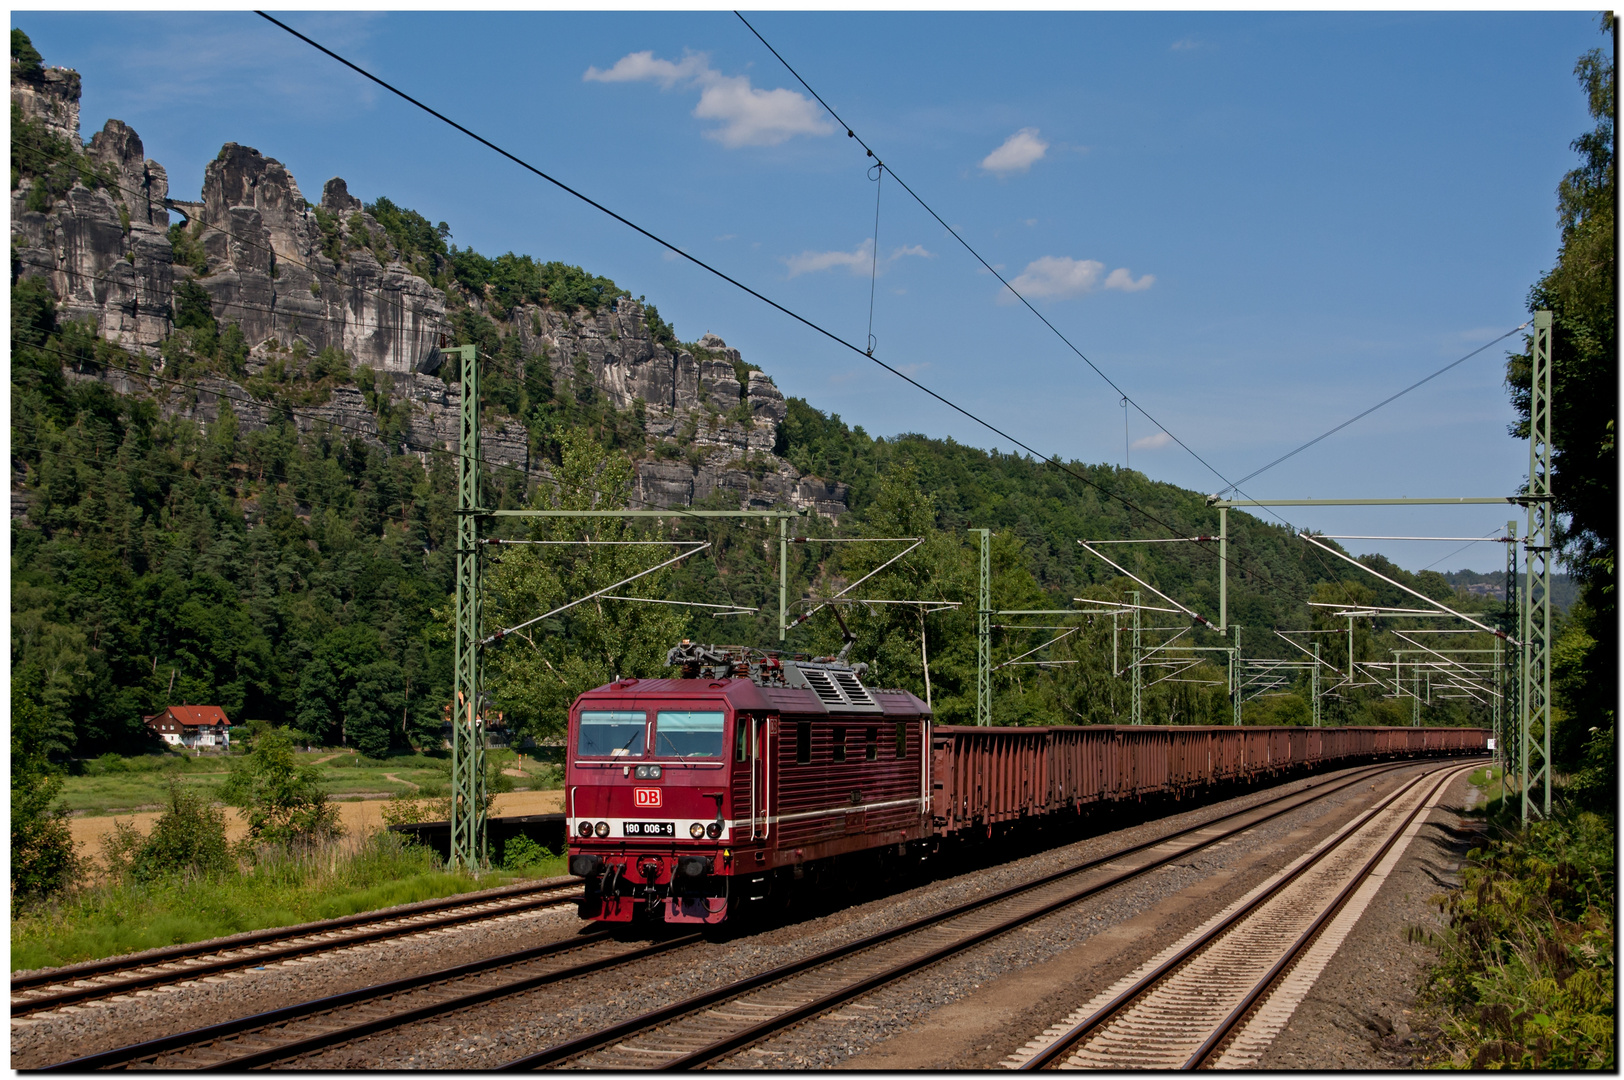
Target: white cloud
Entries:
(810, 262)
(1017, 154)
(1186, 44)
(858, 261)
(644, 66)
(746, 115)
(1152, 442)
(1061, 276)
(1120, 278)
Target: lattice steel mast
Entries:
(467, 722)
(1536, 614)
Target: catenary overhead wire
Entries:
(1126, 399)
(708, 268)
(851, 133)
(874, 259)
(1385, 401)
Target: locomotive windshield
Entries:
(688, 734)
(611, 734)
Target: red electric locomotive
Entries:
(687, 796)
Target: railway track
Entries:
(81, 983)
(311, 1027)
(1196, 1004)
(706, 1028)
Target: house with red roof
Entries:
(192, 725)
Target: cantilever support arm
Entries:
(807, 615)
(1198, 618)
(500, 634)
(1419, 596)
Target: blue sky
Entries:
(1256, 224)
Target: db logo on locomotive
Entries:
(646, 797)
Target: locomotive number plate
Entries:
(649, 828)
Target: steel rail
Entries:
(197, 1037)
(1068, 1041)
(1221, 1034)
(78, 994)
(655, 1017)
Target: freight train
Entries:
(687, 798)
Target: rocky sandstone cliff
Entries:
(265, 264)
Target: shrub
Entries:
(660, 330)
(284, 802)
(187, 249)
(1526, 972)
(188, 839)
(522, 853)
(414, 807)
(51, 162)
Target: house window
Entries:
(871, 744)
(840, 744)
(803, 743)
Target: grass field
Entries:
(355, 875)
(112, 785)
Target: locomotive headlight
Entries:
(696, 830)
(647, 772)
(585, 828)
(602, 829)
(713, 830)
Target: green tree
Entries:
(284, 802)
(30, 65)
(1581, 293)
(43, 861)
(536, 672)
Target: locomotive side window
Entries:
(739, 736)
(871, 745)
(803, 743)
(902, 739)
(840, 744)
(611, 734)
(689, 734)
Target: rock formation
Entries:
(266, 258)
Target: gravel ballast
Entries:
(968, 1012)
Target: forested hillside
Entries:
(216, 504)
(306, 579)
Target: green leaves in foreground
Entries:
(42, 856)
(1527, 974)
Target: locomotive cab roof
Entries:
(757, 680)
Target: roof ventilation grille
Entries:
(825, 687)
(854, 691)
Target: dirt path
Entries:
(358, 817)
